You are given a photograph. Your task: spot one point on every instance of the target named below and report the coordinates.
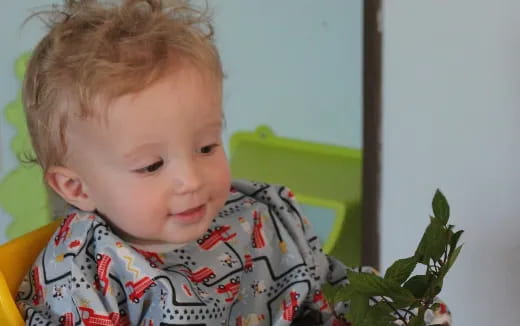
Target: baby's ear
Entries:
(70, 187)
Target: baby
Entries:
(124, 107)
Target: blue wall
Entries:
(14, 41)
(294, 65)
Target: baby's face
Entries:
(157, 169)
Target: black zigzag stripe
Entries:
(247, 195)
(275, 223)
(174, 297)
(271, 272)
(187, 281)
(233, 272)
(47, 281)
(291, 206)
(269, 267)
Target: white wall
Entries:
(451, 119)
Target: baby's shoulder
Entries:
(65, 255)
(76, 227)
(77, 230)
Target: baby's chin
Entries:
(185, 233)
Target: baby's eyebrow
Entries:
(212, 125)
(140, 148)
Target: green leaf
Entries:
(344, 293)
(440, 206)
(416, 321)
(433, 243)
(373, 285)
(434, 288)
(401, 270)
(451, 260)
(358, 308)
(455, 239)
(417, 285)
(453, 256)
(439, 245)
(379, 315)
(418, 291)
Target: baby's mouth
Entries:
(192, 214)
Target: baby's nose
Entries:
(187, 180)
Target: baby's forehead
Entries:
(114, 114)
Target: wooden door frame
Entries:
(372, 80)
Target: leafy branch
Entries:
(399, 297)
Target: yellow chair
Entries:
(16, 257)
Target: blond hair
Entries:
(98, 49)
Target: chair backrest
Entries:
(16, 257)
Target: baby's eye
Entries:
(207, 149)
(151, 168)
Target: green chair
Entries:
(326, 180)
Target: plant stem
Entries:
(408, 312)
(395, 310)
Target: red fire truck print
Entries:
(101, 278)
(248, 264)
(123, 318)
(187, 290)
(258, 232)
(38, 288)
(90, 318)
(442, 315)
(211, 239)
(320, 298)
(74, 244)
(231, 289)
(139, 288)
(152, 257)
(290, 194)
(290, 308)
(64, 229)
(203, 274)
(66, 319)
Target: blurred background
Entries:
(450, 116)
